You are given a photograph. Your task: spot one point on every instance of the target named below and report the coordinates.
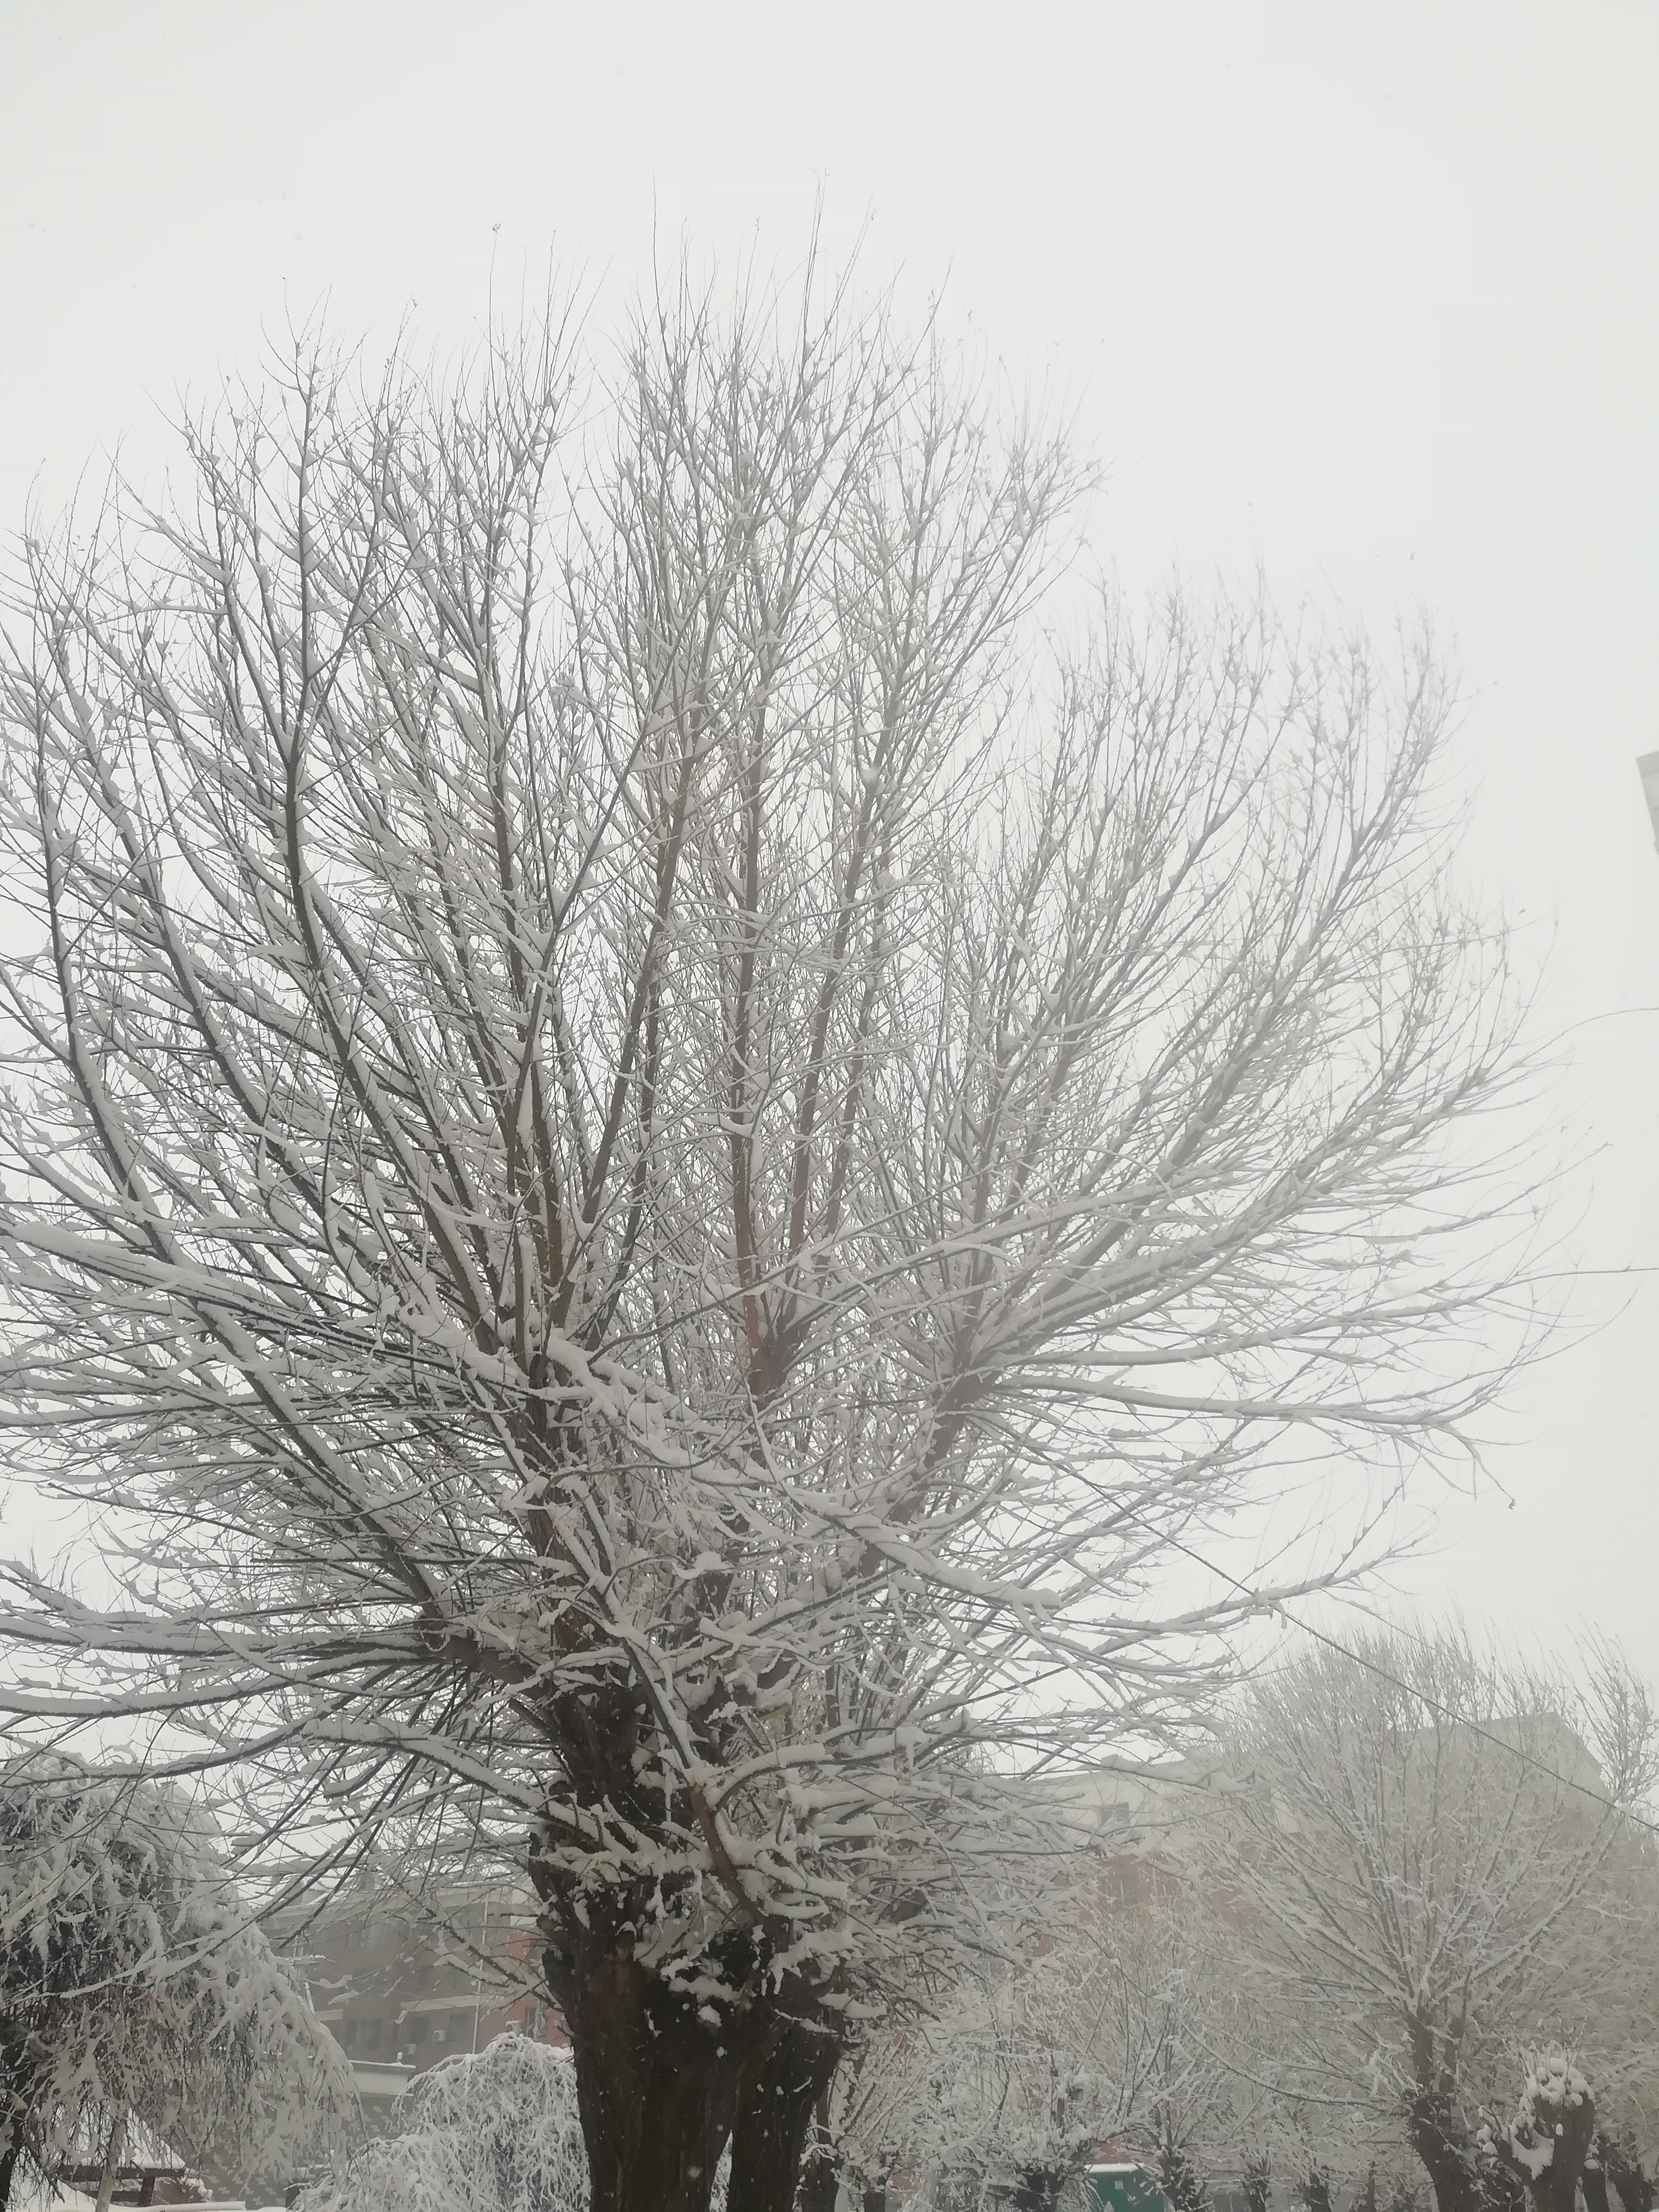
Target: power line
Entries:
(1412, 1690)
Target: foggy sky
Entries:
(1363, 295)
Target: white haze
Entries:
(1362, 294)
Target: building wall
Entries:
(403, 1983)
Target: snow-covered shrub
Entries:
(132, 1982)
(495, 2131)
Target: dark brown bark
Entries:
(1183, 2185)
(1434, 2120)
(1594, 2182)
(17, 2081)
(651, 2087)
(784, 2070)
(820, 2179)
(665, 2080)
(1625, 2170)
(1501, 2188)
(1570, 2129)
(1442, 2141)
(1037, 2188)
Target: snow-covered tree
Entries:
(1547, 2142)
(495, 2131)
(132, 1984)
(651, 1150)
(1435, 1861)
(1111, 2029)
(1624, 2160)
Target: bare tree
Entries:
(1434, 1852)
(1116, 2027)
(132, 1985)
(649, 1159)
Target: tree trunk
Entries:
(1625, 2170)
(1037, 2188)
(16, 2081)
(117, 2135)
(1442, 2143)
(820, 2184)
(875, 2198)
(1183, 2185)
(652, 2084)
(1501, 2188)
(780, 2079)
(1594, 2182)
(1570, 2129)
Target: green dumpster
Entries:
(1124, 2189)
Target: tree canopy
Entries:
(658, 1142)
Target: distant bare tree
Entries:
(1432, 1852)
(649, 1160)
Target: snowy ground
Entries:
(27, 2197)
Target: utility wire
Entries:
(1446, 1712)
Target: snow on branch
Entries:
(648, 1160)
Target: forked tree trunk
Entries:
(782, 2076)
(652, 2084)
(1438, 2133)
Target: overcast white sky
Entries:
(1369, 292)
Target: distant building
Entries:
(403, 1983)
